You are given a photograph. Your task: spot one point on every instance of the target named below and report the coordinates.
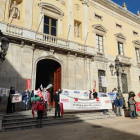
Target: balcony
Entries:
(125, 60)
(45, 40)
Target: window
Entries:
(119, 26)
(101, 73)
(137, 54)
(135, 33)
(120, 48)
(98, 17)
(50, 26)
(99, 43)
(124, 83)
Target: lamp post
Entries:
(117, 68)
(4, 46)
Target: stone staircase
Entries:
(25, 120)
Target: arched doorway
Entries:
(48, 72)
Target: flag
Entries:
(49, 86)
(139, 94)
(48, 95)
(41, 87)
(61, 108)
(39, 93)
(33, 109)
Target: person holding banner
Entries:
(105, 110)
(40, 108)
(25, 96)
(12, 105)
(57, 104)
(44, 93)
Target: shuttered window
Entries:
(99, 43)
(137, 54)
(120, 48)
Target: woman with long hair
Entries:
(40, 107)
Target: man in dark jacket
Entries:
(25, 97)
(57, 104)
(118, 104)
(94, 94)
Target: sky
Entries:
(132, 5)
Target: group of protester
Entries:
(118, 103)
(42, 102)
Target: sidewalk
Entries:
(111, 129)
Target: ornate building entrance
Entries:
(48, 72)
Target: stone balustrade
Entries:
(14, 29)
(41, 38)
(50, 39)
(125, 60)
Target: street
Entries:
(119, 128)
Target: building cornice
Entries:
(118, 9)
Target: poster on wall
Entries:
(70, 103)
(81, 94)
(102, 81)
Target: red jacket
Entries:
(40, 107)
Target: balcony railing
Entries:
(14, 29)
(124, 59)
(49, 40)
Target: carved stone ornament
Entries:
(14, 11)
(77, 6)
(85, 2)
(76, 30)
(62, 1)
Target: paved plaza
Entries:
(107, 129)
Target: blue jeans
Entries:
(133, 113)
(105, 111)
(24, 102)
(57, 108)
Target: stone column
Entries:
(28, 14)
(2, 9)
(70, 19)
(86, 23)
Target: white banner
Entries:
(81, 94)
(112, 95)
(70, 103)
(16, 98)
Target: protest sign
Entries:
(100, 94)
(70, 103)
(49, 86)
(138, 106)
(16, 98)
(111, 95)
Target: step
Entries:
(34, 125)
(51, 122)
(33, 120)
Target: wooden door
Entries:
(57, 81)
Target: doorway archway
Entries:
(48, 72)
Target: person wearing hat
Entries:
(118, 104)
(132, 107)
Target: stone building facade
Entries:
(84, 37)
